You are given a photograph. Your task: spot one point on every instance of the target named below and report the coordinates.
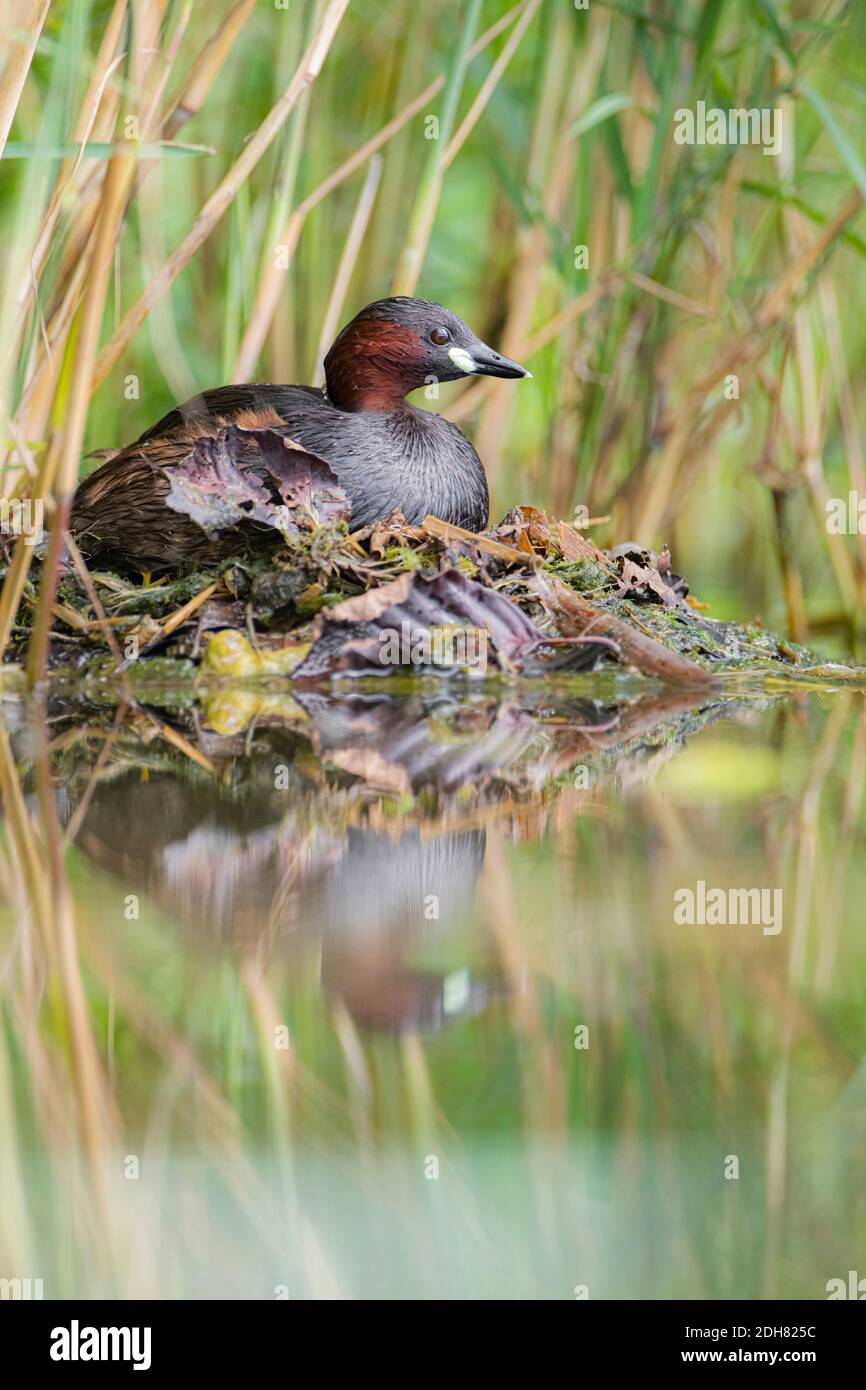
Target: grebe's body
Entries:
(386, 453)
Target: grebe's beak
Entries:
(481, 360)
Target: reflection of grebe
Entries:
(236, 859)
(244, 871)
(385, 895)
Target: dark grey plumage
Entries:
(388, 455)
(405, 457)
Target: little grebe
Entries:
(385, 453)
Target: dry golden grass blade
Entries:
(490, 83)
(812, 414)
(166, 340)
(184, 746)
(226, 192)
(447, 531)
(16, 1233)
(652, 506)
(723, 240)
(24, 452)
(396, 124)
(96, 121)
(107, 61)
(679, 301)
(151, 124)
(563, 95)
(812, 425)
(429, 190)
(22, 35)
(180, 615)
(119, 176)
(778, 423)
(29, 854)
(348, 261)
(469, 400)
(95, 1110)
(497, 905)
(13, 589)
(419, 1090)
(833, 914)
(267, 298)
(271, 283)
(825, 759)
(779, 298)
(567, 316)
(193, 93)
(70, 617)
(90, 589)
(34, 407)
(76, 820)
(92, 241)
(279, 1062)
(846, 405)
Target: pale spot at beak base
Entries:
(462, 360)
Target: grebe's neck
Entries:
(373, 365)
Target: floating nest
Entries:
(315, 600)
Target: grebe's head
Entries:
(398, 345)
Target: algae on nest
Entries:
(264, 615)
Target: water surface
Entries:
(383, 994)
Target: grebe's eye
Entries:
(440, 336)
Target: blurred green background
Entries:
(703, 261)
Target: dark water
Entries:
(391, 995)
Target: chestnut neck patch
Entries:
(373, 365)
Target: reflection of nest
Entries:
(292, 827)
(357, 823)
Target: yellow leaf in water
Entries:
(229, 653)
